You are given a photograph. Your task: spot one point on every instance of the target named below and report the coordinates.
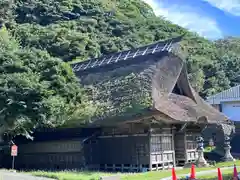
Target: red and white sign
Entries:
(14, 150)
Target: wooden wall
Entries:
(162, 149)
(125, 148)
(67, 154)
(132, 148)
(185, 147)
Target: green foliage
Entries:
(48, 31)
(75, 30)
(119, 93)
(229, 54)
(6, 11)
(35, 89)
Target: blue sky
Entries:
(212, 19)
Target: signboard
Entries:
(14, 150)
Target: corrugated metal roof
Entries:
(126, 55)
(232, 94)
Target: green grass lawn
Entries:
(227, 175)
(155, 175)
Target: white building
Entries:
(227, 102)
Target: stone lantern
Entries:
(228, 156)
(201, 162)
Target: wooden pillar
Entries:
(185, 147)
(173, 147)
(150, 147)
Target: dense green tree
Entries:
(75, 30)
(229, 58)
(36, 89)
(6, 11)
(41, 88)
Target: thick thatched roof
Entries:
(142, 81)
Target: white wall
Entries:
(231, 110)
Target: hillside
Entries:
(75, 30)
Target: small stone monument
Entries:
(201, 162)
(110, 178)
(228, 156)
(211, 143)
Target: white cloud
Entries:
(230, 6)
(187, 18)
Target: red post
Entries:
(174, 176)
(193, 172)
(219, 174)
(235, 173)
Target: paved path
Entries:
(7, 175)
(206, 172)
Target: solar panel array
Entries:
(123, 56)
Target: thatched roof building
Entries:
(147, 117)
(149, 80)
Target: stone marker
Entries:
(228, 156)
(110, 178)
(201, 162)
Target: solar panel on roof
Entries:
(155, 48)
(164, 47)
(115, 57)
(79, 67)
(82, 66)
(87, 64)
(95, 63)
(127, 55)
(74, 67)
(120, 54)
(110, 59)
(169, 46)
(102, 61)
(135, 54)
(150, 49)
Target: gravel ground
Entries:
(8, 175)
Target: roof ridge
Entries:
(159, 46)
(224, 91)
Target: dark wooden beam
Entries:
(183, 127)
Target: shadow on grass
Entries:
(72, 175)
(88, 175)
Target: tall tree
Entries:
(51, 32)
(75, 30)
(36, 89)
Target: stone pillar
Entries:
(201, 162)
(228, 156)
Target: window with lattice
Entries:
(191, 141)
(161, 143)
